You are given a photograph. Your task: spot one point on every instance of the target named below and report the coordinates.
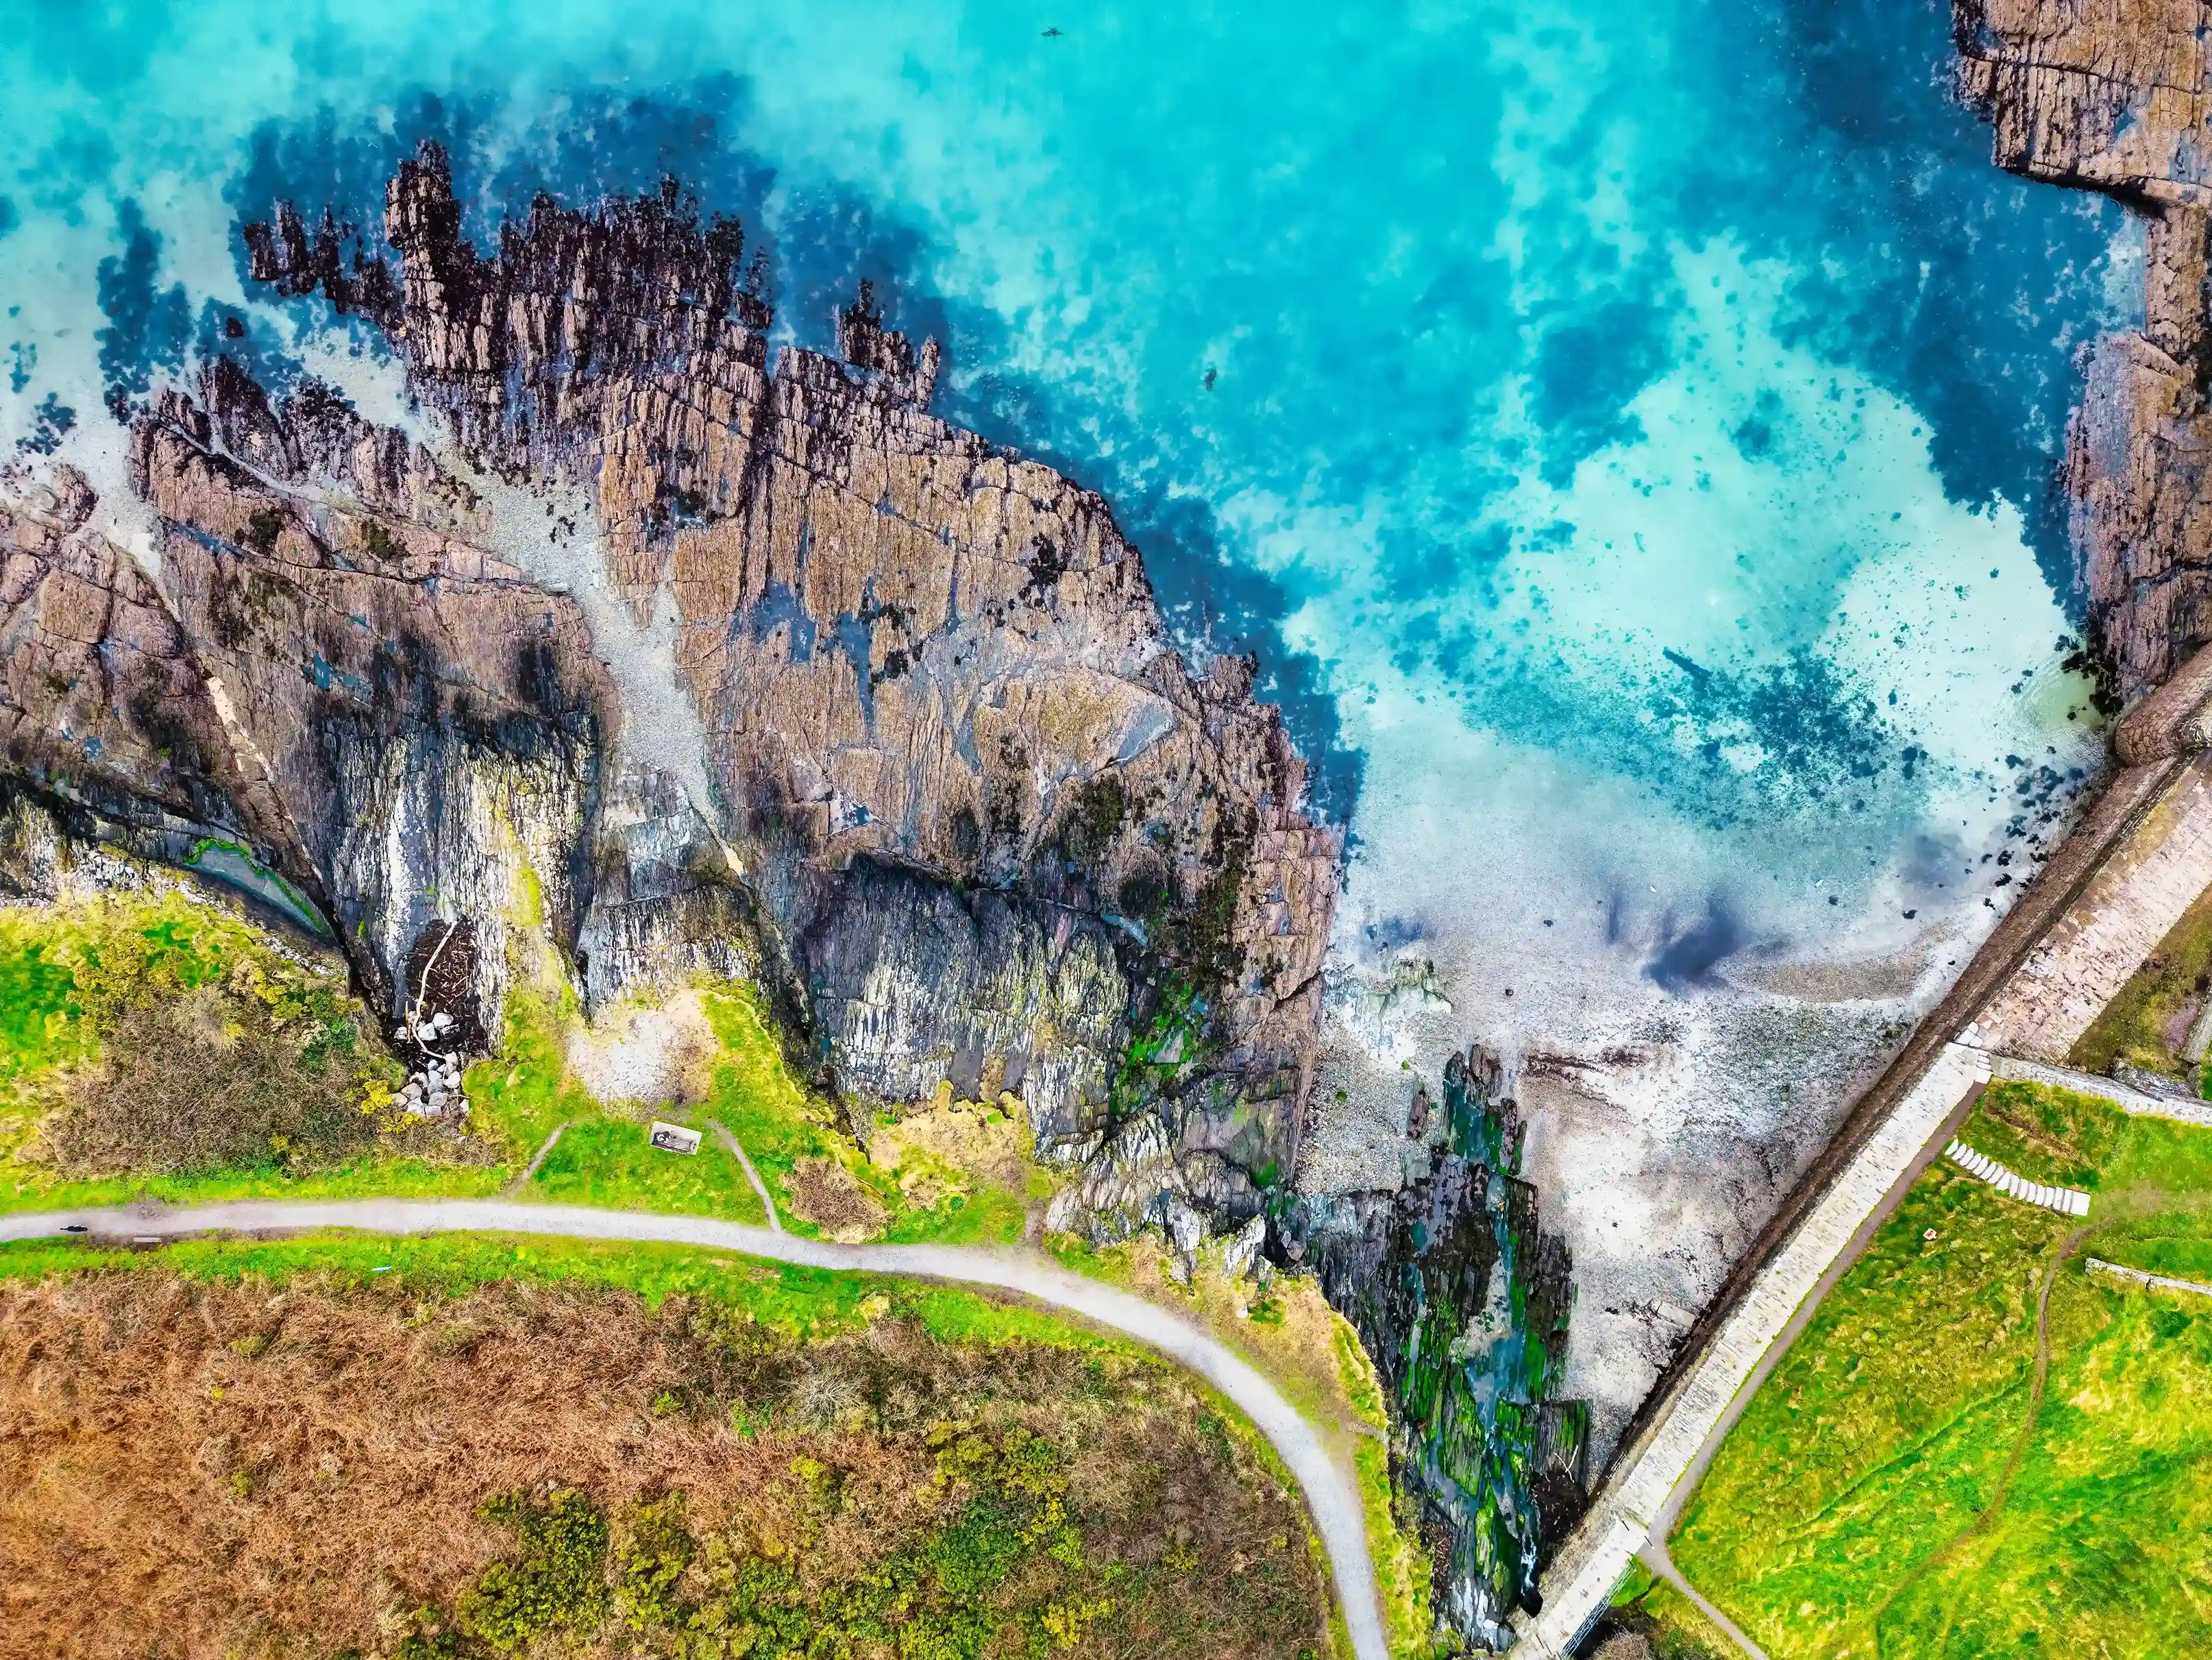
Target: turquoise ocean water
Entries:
(1622, 428)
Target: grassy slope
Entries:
(49, 1024)
(68, 977)
(2139, 1025)
(519, 1097)
(1868, 1501)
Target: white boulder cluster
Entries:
(438, 1081)
(1186, 1234)
(2067, 1201)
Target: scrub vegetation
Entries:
(1977, 1448)
(499, 1448)
(147, 1033)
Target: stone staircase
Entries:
(2067, 1201)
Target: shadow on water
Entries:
(1689, 954)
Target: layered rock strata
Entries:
(2114, 98)
(890, 720)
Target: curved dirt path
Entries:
(1657, 1558)
(737, 1148)
(1331, 1494)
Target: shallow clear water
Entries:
(1623, 427)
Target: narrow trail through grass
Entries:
(737, 1153)
(2038, 1379)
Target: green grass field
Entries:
(1924, 1476)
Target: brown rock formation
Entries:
(2115, 97)
(100, 697)
(969, 810)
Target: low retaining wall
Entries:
(2147, 1281)
(2139, 1103)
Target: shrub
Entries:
(558, 1579)
(652, 1559)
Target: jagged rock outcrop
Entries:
(1463, 1301)
(943, 781)
(918, 660)
(2114, 98)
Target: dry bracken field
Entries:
(207, 1468)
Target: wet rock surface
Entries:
(2114, 98)
(1463, 1301)
(885, 716)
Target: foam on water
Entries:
(1623, 427)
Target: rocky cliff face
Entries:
(876, 712)
(2114, 98)
(1463, 1301)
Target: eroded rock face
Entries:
(2114, 98)
(100, 695)
(965, 808)
(989, 809)
(1463, 1300)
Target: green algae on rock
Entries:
(1463, 1302)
